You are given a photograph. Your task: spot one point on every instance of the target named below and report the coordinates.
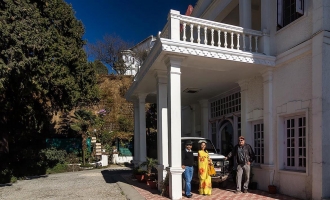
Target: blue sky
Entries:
(132, 20)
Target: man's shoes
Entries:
(189, 196)
(238, 192)
(245, 191)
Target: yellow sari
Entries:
(205, 183)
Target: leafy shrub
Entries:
(72, 158)
(87, 165)
(13, 179)
(5, 176)
(58, 168)
(53, 156)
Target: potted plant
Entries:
(272, 187)
(149, 164)
(152, 183)
(139, 173)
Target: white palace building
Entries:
(257, 68)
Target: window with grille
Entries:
(239, 125)
(226, 105)
(214, 133)
(295, 143)
(259, 149)
(288, 11)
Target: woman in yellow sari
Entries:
(205, 183)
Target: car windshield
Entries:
(196, 145)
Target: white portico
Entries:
(263, 72)
(215, 58)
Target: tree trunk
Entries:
(83, 146)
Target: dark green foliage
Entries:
(125, 124)
(151, 117)
(58, 168)
(53, 156)
(149, 163)
(83, 120)
(43, 69)
(99, 67)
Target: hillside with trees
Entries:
(43, 70)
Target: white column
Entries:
(162, 133)
(244, 109)
(193, 121)
(319, 157)
(142, 128)
(205, 118)
(245, 13)
(136, 159)
(268, 117)
(265, 26)
(174, 125)
(174, 25)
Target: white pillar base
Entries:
(175, 180)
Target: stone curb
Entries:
(129, 191)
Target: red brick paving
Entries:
(217, 193)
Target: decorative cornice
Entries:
(161, 76)
(267, 75)
(243, 84)
(255, 114)
(293, 107)
(216, 52)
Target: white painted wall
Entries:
(295, 33)
(255, 93)
(191, 120)
(186, 121)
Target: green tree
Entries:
(43, 69)
(82, 123)
(99, 67)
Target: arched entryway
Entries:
(226, 137)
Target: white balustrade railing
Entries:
(201, 31)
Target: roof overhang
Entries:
(210, 69)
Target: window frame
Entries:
(299, 9)
(262, 133)
(296, 146)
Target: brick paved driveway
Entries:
(217, 193)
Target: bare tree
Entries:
(109, 51)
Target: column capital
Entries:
(161, 76)
(173, 61)
(141, 97)
(243, 84)
(204, 103)
(267, 75)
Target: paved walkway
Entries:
(82, 185)
(217, 193)
(114, 183)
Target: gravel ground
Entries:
(88, 184)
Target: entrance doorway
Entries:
(226, 137)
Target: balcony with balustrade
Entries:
(199, 39)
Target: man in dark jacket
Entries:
(187, 165)
(244, 156)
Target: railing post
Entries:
(174, 25)
(264, 42)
